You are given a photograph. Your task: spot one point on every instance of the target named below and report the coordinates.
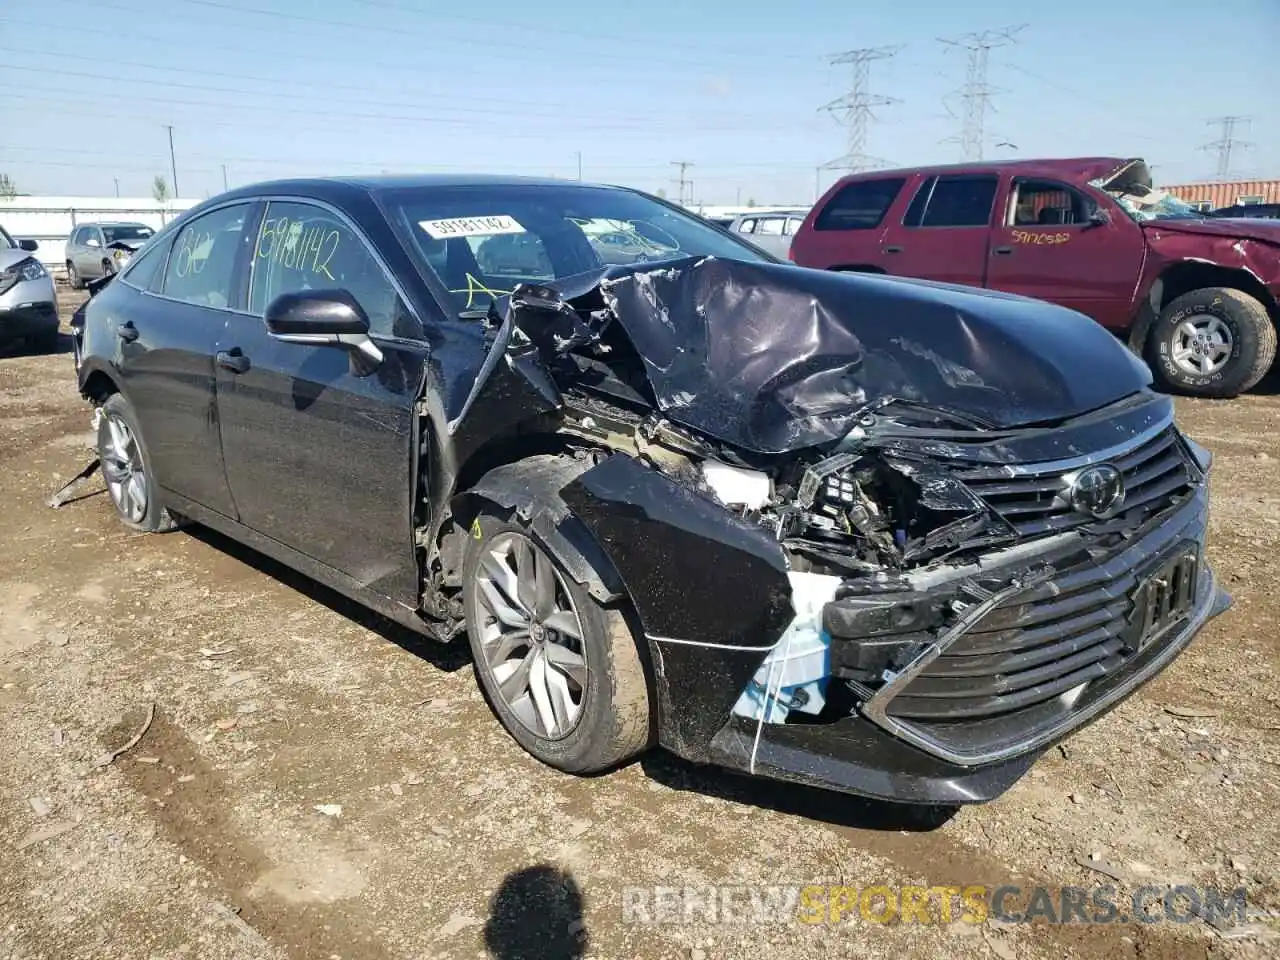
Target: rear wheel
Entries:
(127, 468)
(1215, 342)
(561, 671)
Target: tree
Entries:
(160, 189)
(7, 187)
(751, 201)
(662, 194)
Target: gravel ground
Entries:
(316, 783)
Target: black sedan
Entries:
(889, 537)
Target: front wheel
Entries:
(127, 468)
(1215, 342)
(73, 276)
(561, 671)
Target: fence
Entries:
(51, 220)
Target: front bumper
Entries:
(29, 308)
(877, 754)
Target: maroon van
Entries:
(1197, 296)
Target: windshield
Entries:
(482, 241)
(138, 232)
(1155, 205)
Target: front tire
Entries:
(73, 277)
(561, 671)
(1215, 342)
(126, 468)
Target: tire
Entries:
(1212, 311)
(152, 517)
(613, 720)
(73, 277)
(108, 268)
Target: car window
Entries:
(144, 265)
(957, 201)
(76, 236)
(127, 232)
(771, 226)
(1046, 203)
(747, 226)
(793, 225)
(305, 247)
(203, 260)
(860, 205)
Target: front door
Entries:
(318, 458)
(1047, 246)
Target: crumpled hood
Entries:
(1268, 231)
(774, 358)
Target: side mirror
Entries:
(1099, 218)
(28, 245)
(325, 317)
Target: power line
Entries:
(976, 93)
(854, 109)
(1227, 143)
(683, 165)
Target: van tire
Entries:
(1252, 347)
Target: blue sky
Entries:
(275, 88)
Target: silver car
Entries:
(98, 249)
(28, 303)
(771, 230)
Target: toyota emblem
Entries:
(1097, 490)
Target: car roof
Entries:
(1074, 168)
(334, 187)
(116, 223)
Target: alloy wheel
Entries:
(1201, 346)
(124, 471)
(530, 636)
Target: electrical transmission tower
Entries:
(683, 165)
(855, 108)
(1227, 143)
(976, 93)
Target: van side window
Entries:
(954, 201)
(860, 205)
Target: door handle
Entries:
(232, 360)
(127, 332)
(892, 249)
(1003, 251)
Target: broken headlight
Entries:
(28, 269)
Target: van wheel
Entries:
(126, 468)
(1215, 342)
(561, 671)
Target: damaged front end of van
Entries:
(889, 538)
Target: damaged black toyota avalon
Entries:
(888, 537)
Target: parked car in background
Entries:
(28, 301)
(1196, 296)
(770, 231)
(100, 249)
(897, 542)
(1249, 211)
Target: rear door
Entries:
(1047, 247)
(846, 228)
(167, 341)
(317, 457)
(945, 231)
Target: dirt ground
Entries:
(274, 697)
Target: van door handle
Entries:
(892, 249)
(1003, 251)
(127, 332)
(232, 360)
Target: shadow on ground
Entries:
(448, 657)
(794, 799)
(536, 914)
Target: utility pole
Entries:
(224, 177)
(173, 164)
(855, 108)
(683, 165)
(579, 166)
(976, 93)
(1227, 143)
(117, 180)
